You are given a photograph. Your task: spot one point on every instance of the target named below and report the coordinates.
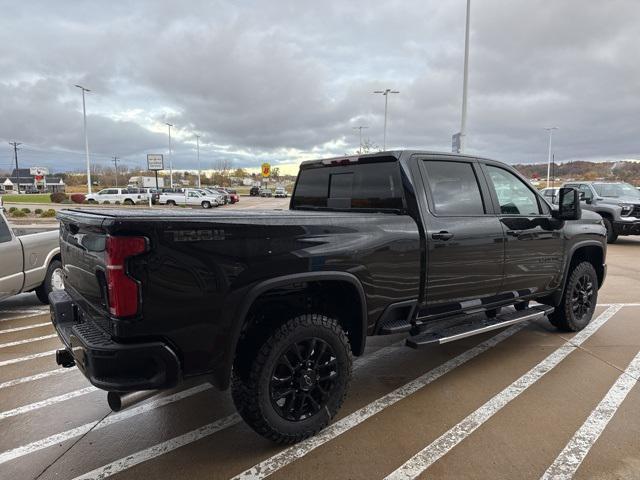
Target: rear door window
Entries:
(454, 188)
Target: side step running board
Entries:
(468, 328)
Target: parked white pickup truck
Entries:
(126, 196)
(29, 262)
(190, 197)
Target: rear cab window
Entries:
(5, 233)
(374, 186)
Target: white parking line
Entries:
(290, 454)
(109, 420)
(37, 376)
(45, 403)
(28, 327)
(26, 358)
(569, 460)
(417, 464)
(29, 314)
(160, 449)
(28, 340)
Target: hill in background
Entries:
(580, 170)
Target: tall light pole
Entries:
(170, 156)
(386, 101)
(360, 127)
(550, 130)
(465, 80)
(15, 145)
(86, 138)
(198, 156)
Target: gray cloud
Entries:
(283, 79)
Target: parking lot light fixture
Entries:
(86, 138)
(359, 128)
(386, 103)
(550, 130)
(170, 156)
(198, 158)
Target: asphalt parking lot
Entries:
(524, 402)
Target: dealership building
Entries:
(32, 180)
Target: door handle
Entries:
(514, 233)
(442, 235)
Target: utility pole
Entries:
(170, 159)
(465, 81)
(15, 155)
(86, 138)
(550, 130)
(198, 157)
(386, 101)
(360, 127)
(115, 163)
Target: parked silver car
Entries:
(29, 262)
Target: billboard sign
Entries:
(155, 161)
(39, 171)
(266, 170)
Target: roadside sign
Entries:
(39, 171)
(455, 143)
(155, 161)
(266, 170)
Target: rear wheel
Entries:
(296, 382)
(578, 299)
(171, 203)
(128, 201)
(612, 236)
(53, 280)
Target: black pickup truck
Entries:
(276, 303)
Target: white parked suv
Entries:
(189, 197)
(280, 192)
(126, 196)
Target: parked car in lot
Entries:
(617, 202)
(126, 196)
(550, 194)
(265, 192)
(275, 304)
(254, 191)
(280, 193)
(29, 262)
(233, 196)
(189, 197)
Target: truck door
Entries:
(534, 246)
(465, 242)
(11, 271)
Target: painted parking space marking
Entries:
(417, 464)
(26, 358)
(96, 425)
(37, 376)
(28, 327)
(28, 340)
(27, 314)
(46, 403)
(572, 456)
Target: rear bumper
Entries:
(108, 364)
(627, 226)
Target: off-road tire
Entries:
(612, 236)
(564, 317)
(45, 289)
(251, 385)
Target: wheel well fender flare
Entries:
(567, 264)
(250, 295)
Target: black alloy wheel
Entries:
(303, 379)
(582, 297)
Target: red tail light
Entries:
(123, 290)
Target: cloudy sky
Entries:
(283, 81)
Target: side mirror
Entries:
(568, 205)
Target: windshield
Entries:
(616, 190)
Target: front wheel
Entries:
(53, 281)
(578, 299)
(206, 204)
(296, 382)
(612, 236)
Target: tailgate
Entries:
(82, 247)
